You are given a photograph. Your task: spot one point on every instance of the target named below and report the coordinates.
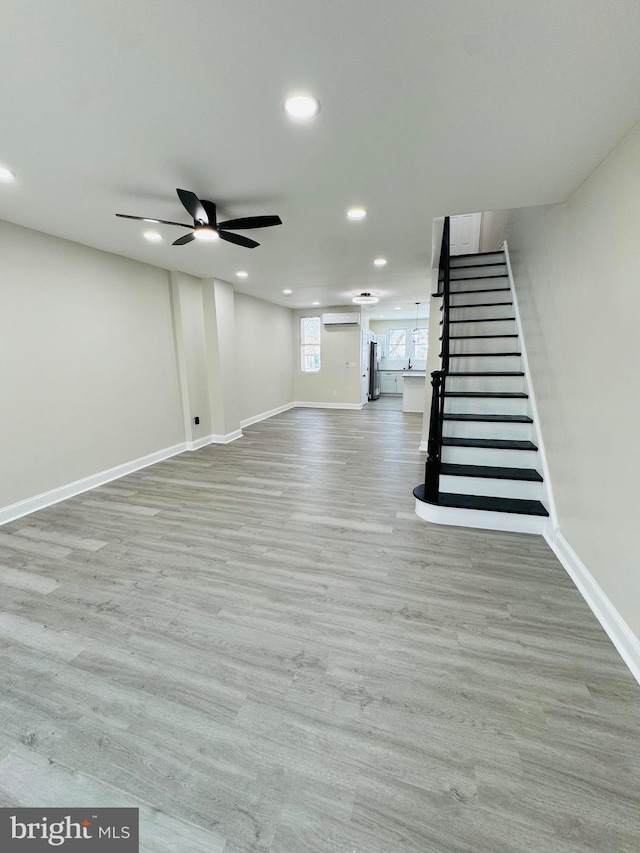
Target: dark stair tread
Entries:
(493, 443)
(477, 266)
(508, 419)
(490, 472)
(481, 354)
(482, 320)
(490, 504)
(520, 395)
(486, 373)
(468, 337)
(479, 305)
(476, 277)
(477, 254)
(481, 290)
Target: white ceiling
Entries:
(428, 107)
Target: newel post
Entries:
(432, 469)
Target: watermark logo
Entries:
(72, 830)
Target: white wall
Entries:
(335, 384)
(89, 377)
(577, 277)
(265, 355)
(381, 327)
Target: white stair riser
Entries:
(481, 519)
(484, 327)
(479, 312)
(461, 363)
(456, 273)
(486, 383)
(484, 429)
(503, 295)
(487, 487)
(477, 283)
(488, 258)
(483, 345)
(489, 456)
(487, 405)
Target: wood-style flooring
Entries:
(262, 647)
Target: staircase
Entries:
(484, 465)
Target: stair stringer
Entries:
(548, 499)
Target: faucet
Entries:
(409, 368)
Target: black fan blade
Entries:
(251, 222)
(194, 206)
(239, 239)
(210, 210)
(182, 240)
(149, 219)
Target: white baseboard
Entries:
(306, 405)
(423, 447)
(620, 634)
(226, 439)
(264, 415)
(54, 496)
(199, 442)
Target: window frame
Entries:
(398, 357)
(424, 329)
(303, 346)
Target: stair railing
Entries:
(439, 377)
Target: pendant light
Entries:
(416, 333)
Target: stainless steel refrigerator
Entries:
(374, 362)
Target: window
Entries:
(310, 330)
(397, 344)
(420, 343)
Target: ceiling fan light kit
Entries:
(206, 227)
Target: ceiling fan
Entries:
(205, 225)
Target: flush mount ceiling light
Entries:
(287, 292)
(302, 107)
(242, 274)
(380, 262)
(153, 236)
(365, 299)
(356, 214)
(206, 234)
(6, 175)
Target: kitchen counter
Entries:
(413, 390)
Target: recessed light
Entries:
(302, 107)
(397, 308)
(153, 236)
(206, 235)
(316, 303)
(242, 274)
(287, 292)
(380, 262)
(6, 175)
(365, 299)
(356, 214)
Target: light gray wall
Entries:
(381, 327)
(265, 355)
(89, 377)
(335, 383)
(189, 334)
(577, 277)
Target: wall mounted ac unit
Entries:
(341, 319)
